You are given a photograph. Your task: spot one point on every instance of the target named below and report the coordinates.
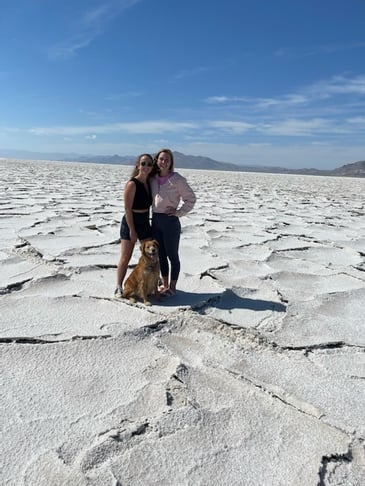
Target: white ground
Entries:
(254, 374)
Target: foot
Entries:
(162, 289)
(118, 292)
(168, 293)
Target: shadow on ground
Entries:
(227, 300)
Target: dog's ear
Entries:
(156, 242)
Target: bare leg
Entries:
(127, 248)
(168, 290)
(165, 284)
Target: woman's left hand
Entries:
(171, 211)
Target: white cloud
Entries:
(231, 126)
(286, 100)
(68, 50)
(226, 99)
(294, 127)
(263, 103)
(259, 145)
(358, 121)
(337, 85)
(133, 128)
(88, 26)
(306, 96)
(318, 49)
(208, 130)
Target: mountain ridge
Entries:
(354, 169)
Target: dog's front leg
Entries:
(156, 292)
(128, 294)
(145, 294)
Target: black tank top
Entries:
(142, 198)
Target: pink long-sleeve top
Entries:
(174, 192)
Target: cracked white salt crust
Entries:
(252, 374)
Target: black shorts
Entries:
(142, 225)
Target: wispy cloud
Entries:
(88, 26)
(185, 73)
(69, 49)
(306, 51)
(338, 85)
(235, 127)
(358, 122)
(310, 95)
(260, 103)
(146, 127)
(316, 109)
(286, 100)
(289, 127)
(302, 128)
(196, 71)
(227, 99)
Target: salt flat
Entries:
(252, 375)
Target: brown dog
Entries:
(143, 281)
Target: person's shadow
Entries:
(227, 300)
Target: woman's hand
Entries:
(171, 211)
(133, 235)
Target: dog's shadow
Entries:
(227, 300)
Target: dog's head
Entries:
(150, 249)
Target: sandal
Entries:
(168, 293)
(118, 293)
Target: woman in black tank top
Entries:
(136, 220)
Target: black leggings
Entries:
(166, 230)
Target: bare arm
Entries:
(129, 193)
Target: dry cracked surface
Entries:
(254, 373)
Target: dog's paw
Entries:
(147, 302)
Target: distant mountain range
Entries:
(356, 169)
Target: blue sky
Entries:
(264, 82)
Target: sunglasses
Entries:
(143, 164)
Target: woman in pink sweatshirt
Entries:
(172, 197)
